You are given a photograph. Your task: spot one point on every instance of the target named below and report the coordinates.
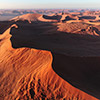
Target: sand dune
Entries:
(27, 74)
(29, 17)
(45, 18)
(79, 28)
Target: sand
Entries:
(46, 60)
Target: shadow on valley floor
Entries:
(81, 72)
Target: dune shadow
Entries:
(81, 72)
(87, 17)
(68, 18)
(4, 25)
(55, 17)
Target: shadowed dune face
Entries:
(55, 17)
(4, 25)
(87, 17)
(95, 21)
(46, 37)
(81, 72)
(68, 18)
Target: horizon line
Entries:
(48, 8)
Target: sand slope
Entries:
(27, 73)
(29, 17)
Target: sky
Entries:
(49, 4)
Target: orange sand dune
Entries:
(29, 17)
(79, 28)
(27, 73)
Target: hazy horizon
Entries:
(52, 4)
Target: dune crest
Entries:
(27, 73)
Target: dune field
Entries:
(50, 57)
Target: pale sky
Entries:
(31, 4)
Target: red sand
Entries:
(28, 73)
